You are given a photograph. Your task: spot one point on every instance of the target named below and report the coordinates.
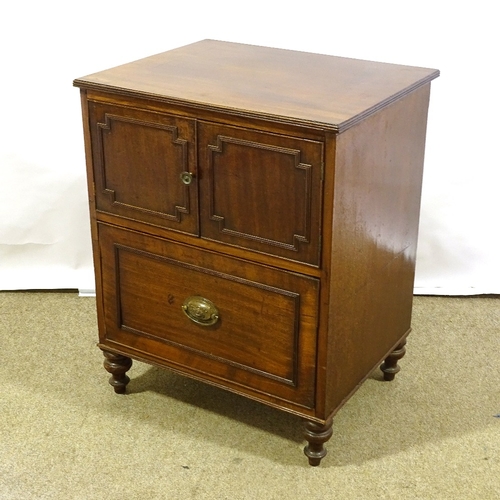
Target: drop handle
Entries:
(200, 310)
(186, 178)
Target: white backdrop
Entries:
(44, 234)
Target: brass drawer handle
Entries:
(200, 310)
(186, 178)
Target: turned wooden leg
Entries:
(117, 365)
(390, 366)
(316, 435)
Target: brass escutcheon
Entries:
(186, 178)
(200, 310)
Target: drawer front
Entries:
(263, 336)
(138, 158)
(261, 191)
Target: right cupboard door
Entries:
(261, 191)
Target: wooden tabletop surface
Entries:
(329, 92)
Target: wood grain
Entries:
(288, 85)
(299, 225)
(265, 339)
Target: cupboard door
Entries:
(242, 325)
(138, 159)
(261, 191)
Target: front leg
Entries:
(316, 435)
(390, 366)
(117, 365)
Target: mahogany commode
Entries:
(254, 219)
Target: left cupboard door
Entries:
(145, 166)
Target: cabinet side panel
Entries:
(378, 179)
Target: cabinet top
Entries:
(329, 92)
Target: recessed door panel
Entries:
(138, 159)
(261, 191)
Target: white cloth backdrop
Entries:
(44, 235)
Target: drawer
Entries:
(263, 336)
(261, 191)
(138, 157)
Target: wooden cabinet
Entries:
(254, 217)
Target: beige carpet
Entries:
(433, 433)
